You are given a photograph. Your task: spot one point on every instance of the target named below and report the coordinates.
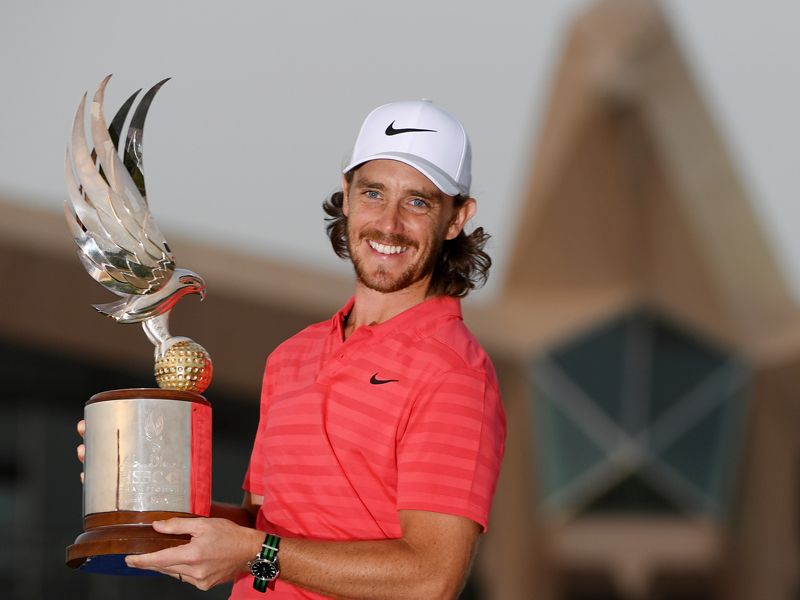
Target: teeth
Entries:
(384, 249)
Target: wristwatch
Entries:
(265, 567)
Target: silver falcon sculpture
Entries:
(118, 240)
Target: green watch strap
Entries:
(260, 585)
(269, 551)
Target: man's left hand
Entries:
(218, 551)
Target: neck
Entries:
(371, 307)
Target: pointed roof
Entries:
(633, 198)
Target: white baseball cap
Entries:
(421, 135)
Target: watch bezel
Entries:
(259, 563)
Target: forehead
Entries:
(394, 173)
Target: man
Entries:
(381, 430)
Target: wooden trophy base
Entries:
(148, 458)
(110, 537)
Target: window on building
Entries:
(638, 415)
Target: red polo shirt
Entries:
(405, 414)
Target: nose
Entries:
(389, 220)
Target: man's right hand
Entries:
(81, 448)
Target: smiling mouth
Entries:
(385, 248)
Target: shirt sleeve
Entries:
(449, 455)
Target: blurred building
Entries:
(645, 340)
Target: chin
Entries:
(385, 283)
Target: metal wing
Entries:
(119, 242)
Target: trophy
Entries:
(148, 451)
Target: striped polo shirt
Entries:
(405, 414)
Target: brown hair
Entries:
(462, 264)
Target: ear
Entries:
(462, 214)
(346, 193)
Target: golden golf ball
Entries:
(185, 366)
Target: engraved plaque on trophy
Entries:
(148, 450)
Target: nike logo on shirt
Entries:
(375, 381)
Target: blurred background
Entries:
(634, 161)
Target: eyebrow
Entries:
(370, 184)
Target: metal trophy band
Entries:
(148, 451)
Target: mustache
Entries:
(388, 239)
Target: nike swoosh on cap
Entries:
(390, 130)
(375, 381)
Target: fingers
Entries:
(179, 525)
(179, 576)
(169, 558)
(140, 561)
(213, 555)
(185, 578)
(164, 561)
(81, 450)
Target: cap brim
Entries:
(438, 177)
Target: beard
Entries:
(381, 279)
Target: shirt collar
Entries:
(418, 317)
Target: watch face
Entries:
(264, 569)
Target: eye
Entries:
(419, 205)
(372, 194)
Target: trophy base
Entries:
(148, 458)
(103, 547)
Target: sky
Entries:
(249, 136)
